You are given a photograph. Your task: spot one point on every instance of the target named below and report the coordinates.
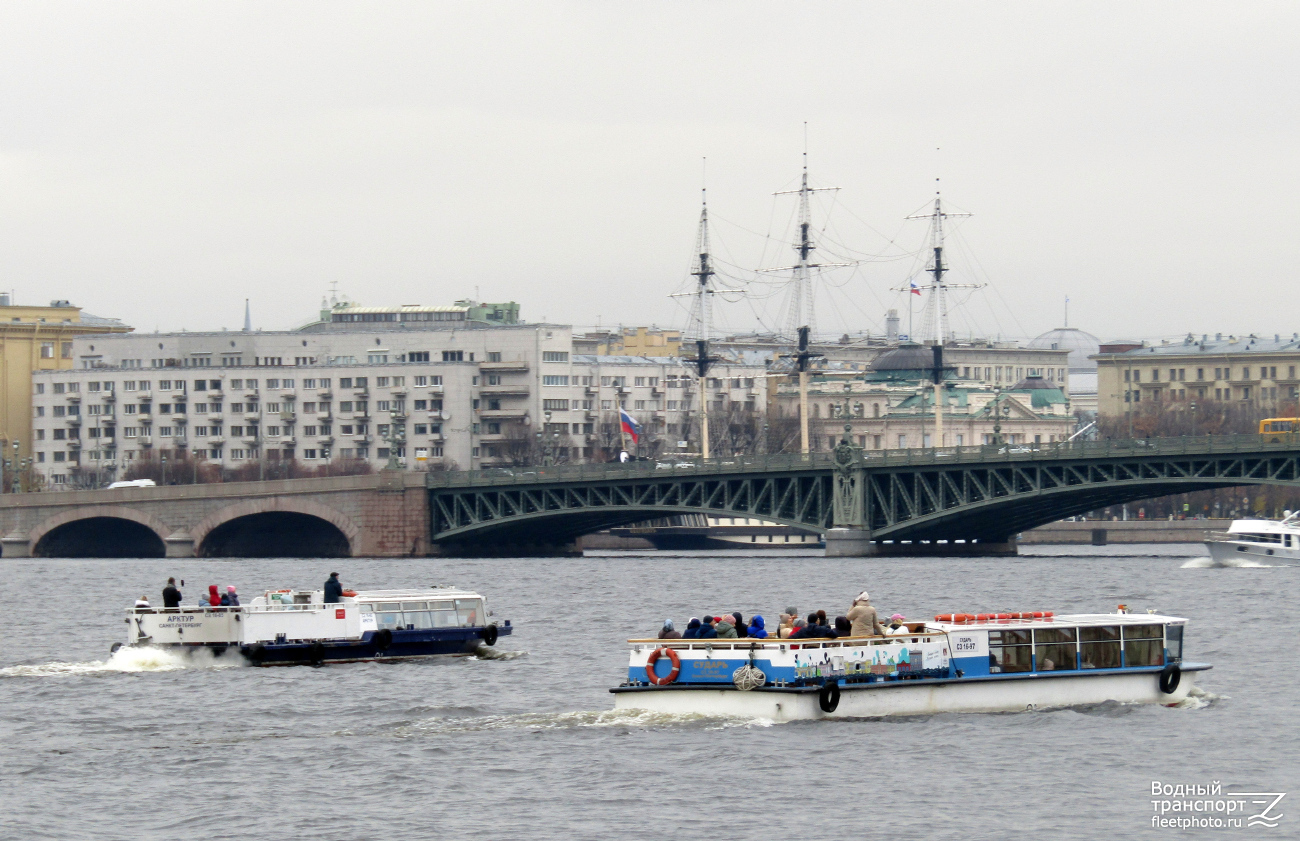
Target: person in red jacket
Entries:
(214, 598)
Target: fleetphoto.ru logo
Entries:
(1208, 806)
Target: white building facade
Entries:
(432, 396)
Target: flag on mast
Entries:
(630, 426)
(916, 290)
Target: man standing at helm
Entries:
(862, 617)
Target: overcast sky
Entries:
(160, 162)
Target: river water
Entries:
(144, 746)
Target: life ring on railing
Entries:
(349, 593)
(1170, 677)
(654, 658)
(382, 639)
(490, 634)
(828, 697)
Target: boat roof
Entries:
(1072, 619)
(1247, 526)
(426, 593)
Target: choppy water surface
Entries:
(146, 745)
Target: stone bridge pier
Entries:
(379, 515)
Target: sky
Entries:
(162, 161)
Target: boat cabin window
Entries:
(444, 614)
(1144, 645)
(389, 616)
(1010, 651)
(1054, 649)
(1099, 647)
(1174, 642)
(416, 616)
(469, 612)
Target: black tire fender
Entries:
(828, 697)
(382, 639)
(256, 653)
(1170, 677)
(316, 654)
(490, 635)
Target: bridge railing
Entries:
(668, 466)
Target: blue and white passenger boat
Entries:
(957, 663)
(289, 627)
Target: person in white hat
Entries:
(863, 620)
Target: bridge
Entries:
(933, 501)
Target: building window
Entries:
(453, 356)
(555, 356)
(556, 405)
(552, 379)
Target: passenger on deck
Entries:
(231, 598)
(843, 628)
(143, 601)
(897, 626)
(333, 589)
(742, 629)
(692, 629)
(707, 631)
(813, 630)
(171, 595)
(821, 618)
(725, 629)
(862, 617)
(756, 629)
(795, 627)
(668, 632)
(214, 598)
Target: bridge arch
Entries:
(1017, 513)
(100, 531)
(276, 527)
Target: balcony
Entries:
(519, 389)
(363, 438)
(74, 398)
(325, 394)
(110, 397)
(74, 420)
(505, 365)
(142, 440)
(400, 391)
(288, 417)
(498, 414)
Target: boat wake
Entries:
(126, 660)
(484, 652)
(581, 719)
(1243, 563)
(1197, 699)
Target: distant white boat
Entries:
(1257, 540)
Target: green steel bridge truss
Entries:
(974, 493)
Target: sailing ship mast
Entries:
(703, 273)
(937, 293)
(800, 313)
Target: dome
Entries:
(907, 357)
(1079, 343)
(906, 362)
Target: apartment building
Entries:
(454, 396)
(1260, 370)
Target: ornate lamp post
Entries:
(546, 439)
(999, 411)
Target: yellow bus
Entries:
(1271, 425)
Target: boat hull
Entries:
(403, 646)
(907, 698)
(1229, 553)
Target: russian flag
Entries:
(630, 426)
(916, 290)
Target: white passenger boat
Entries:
(288, 627)
(1257, 540)
(957, 663)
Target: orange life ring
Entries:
(349, 593)
(654, 658)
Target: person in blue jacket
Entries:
(333, 589)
